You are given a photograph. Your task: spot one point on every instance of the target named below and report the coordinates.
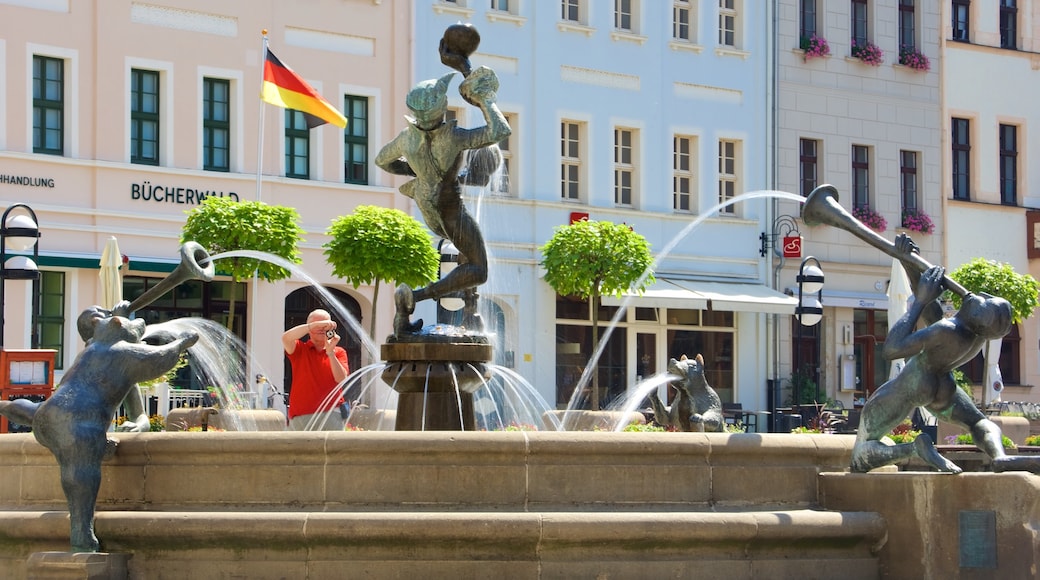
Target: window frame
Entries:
(860, 166)
(728, 23)
(681, 174)
(572, 11)
(907, 21)
(808, 160)
(960, 158)
(625, 15)
(909, 182)
(679, 8)
(1008, 22)
(41, 105)
(728, 177)
(571, 166)
(807, 19)
(355, 139)
(140, 118)
(53, 293)
(960, 20)
(1008, 153)
(294, 135)
(625, 156)
(506, 182)
(212, 126)
(859, 22)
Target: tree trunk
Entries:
(594, 303)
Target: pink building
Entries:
(117, 117)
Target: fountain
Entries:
(514, 504)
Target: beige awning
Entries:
(727, 296)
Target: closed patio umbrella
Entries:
(899, 296)
(111, 282)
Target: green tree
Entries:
(221, 224)
(377, 244)
(591, 259)
(999, 279)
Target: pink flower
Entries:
(870, 218)
(869, 53)
(916, 220)
(913, 58)
(815, 47)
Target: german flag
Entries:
(284, 88)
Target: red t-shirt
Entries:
(312, 379)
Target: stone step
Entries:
(797, 543)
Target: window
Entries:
(860, 30)
(624, 166)
(728, 151)
(808, 166)
(807, 18)
(193, 298)
(355, 140)
(572, 11)
(623, 15)
(681, 10)
(961, 145)
(570, 163)
(1008, 164)
(908, 179)
(505, 146)
(48, 105)
(728, 23)
(216, 124)
(500, 5)
(860, 177)
(52, 314)
(907, 24)
(144, 117)
(1008, 24)
(1009, 360)
(682, 173)
(961, 23)
(297, 145)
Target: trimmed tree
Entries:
(221, 224)
(590, 259)
(999, 279)
(376, 244)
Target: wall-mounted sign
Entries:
(148, 191)
(579, 216)
(792, 246)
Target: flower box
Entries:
(814, 47)
(869, 53)
(916, 220)
(911, 57)
(870, 218)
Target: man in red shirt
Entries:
(318, 368)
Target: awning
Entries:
(733, 297)
(660, 294)
(846, 299)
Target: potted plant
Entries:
(910, 56)
(868, 52)
(814, 47)
(870, 218)
(916, 220)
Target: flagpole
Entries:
(260, 134)
(261, 399)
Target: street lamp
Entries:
(809, 312)
(19, 231)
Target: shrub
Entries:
(904, 433)
(870, 218)
(869, 53)
(1033, 440)
(967, 439)
(814, 47)
(916, 220)
(911, 57)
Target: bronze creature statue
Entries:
(696, 406)
(432, 150)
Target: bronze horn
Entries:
(189, 269)
(822, 207)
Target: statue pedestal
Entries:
(77, 566)
(436, 379)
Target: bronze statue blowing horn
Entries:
(189, 269)
(822, 207)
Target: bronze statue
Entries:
(932, 353)
(696, 407)
(431, 150)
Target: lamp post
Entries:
(809, 312)
(19, 231)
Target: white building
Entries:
(672, 97)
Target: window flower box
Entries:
(911, 57)
(870, 218)
(916, 220)
(869, 53)
(814, 47)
